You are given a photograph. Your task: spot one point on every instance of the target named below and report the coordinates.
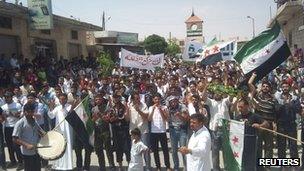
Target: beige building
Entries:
(290, 15)
(68, 38)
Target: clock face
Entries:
(194, 27)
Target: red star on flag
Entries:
(253, 60)
(236, 154)
(207, 52)
(215, 49)
(235, 140)
(267, 51)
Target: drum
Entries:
(51, 146)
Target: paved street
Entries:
(94, 160)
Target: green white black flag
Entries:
(263, 53)
(233, 144)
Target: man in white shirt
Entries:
(11, 113)
(219, 109)
(137, 115)
(158, 116)
(198, 151)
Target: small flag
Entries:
(80, 120)
(233, 144)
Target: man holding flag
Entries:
(252, 122)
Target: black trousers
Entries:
(162, 138)
(87, 156)
(32, 163)
(122, 143)
(103, 141)
(291, 131)
(11, 146)
(2, 153)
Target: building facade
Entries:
(290, 15)
(68, 38)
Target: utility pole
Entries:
(103, 21)
(170, 37)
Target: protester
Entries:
(158, 116)
(137, 151)
(2, 153)
(198, 150)
(265, 106)
(11, 113)
(102, 131)
(59, 113)
(137, 115)
(178, 128)
(252, 123)
(27, 133)
(185, 89)
(289, 108)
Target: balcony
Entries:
(286, 10)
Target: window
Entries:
(45, 32)
(5, 22)
(74, 34)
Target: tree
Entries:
(106, 63)
(173, 49)
(155, 44)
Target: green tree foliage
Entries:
(106, 63)
(173, 49)
(155, 44)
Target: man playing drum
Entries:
(26, 134)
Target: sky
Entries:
(222, 18)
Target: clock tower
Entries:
(194, 26)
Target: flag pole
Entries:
(283, 135)
(68, 114)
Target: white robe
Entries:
(66, 161)
(200, 144)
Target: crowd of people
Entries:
(135, 110)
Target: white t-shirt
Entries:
(158, 124)
(218, 110)
(136, 120)
(136, 163)
(10, 110)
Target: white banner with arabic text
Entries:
(133, 60)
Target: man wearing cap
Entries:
(11, 113)
(178, 126)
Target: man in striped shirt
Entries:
(265, 106)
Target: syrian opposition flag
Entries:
(263, 53)
(216, 51)
(82, 124)
(233, 144)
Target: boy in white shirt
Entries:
(137, 151)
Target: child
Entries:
(26, 134)
(138, 148)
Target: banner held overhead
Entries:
(133, 60)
